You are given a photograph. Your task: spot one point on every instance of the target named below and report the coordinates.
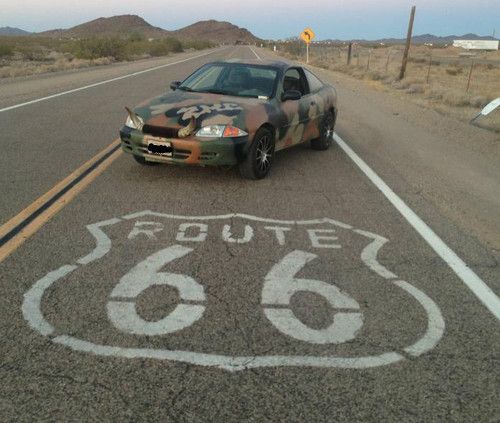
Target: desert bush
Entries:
(374, 75)
(456, 99)
(94, 48)
(453, 71)
(196, 44)
(478, 101)
(33, 52)
(164, 46)
(435, 94)
(6, 51)
(418, 60)
(136, 36)
(294, 48)
(416, 89)
(321, 63)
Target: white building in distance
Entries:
(477, 44)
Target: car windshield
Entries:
(233, 79)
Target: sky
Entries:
(271, 19)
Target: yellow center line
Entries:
(47, 213)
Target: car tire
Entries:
(326, 131)
(142, 161)
(260, 156)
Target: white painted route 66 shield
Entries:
(243, 292)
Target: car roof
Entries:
(271, 63)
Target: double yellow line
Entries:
(27, 222)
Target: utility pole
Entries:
(408, 42)
(349, 53)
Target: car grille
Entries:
(160, 131)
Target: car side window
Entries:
(295, 80)
(314, 83)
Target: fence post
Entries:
(470, 76)
(369, 57)
(429, 68)
(349, 53)
(387, 62)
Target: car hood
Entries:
(176, 109)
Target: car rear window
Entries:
(314, 83)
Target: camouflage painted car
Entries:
(233, 113)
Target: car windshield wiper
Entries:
(180, 87)
(215, 91)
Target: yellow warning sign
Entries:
(307, 35)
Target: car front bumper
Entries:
(188, 151)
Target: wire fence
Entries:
(442, 74)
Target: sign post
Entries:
(307, 36)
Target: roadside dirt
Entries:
(450, 165)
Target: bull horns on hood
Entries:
(135, 119)
(187, 130)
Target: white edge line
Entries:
(254, 52)
(482, 291)
(107, 81)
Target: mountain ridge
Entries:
(126, 25)
(424, 38)
(12, 32)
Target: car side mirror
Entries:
(174, 85)
(291, 95)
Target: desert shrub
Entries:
(321, 63)
(295, 48)
(416, 89)
(478, 101)
(388, 79)
(358, 73)
(32, 52)
(136, 36)
(455, 70)
(456, 99)
(94, 48)
(196, 44)
(164, 46)
(435, 63)
(374, 75)
(137, 48)
(6, 51)
(418, 60)
(341, 67)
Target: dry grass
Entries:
(57, 64)
(444, 86)
(21, 56)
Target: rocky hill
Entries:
(12, 32)
(217, 32)
(125, 25)
(115, 26)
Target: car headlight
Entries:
(220, 131)
(134, 121)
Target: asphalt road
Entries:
(178, 305)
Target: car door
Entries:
(317, 104)
(294, 113)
